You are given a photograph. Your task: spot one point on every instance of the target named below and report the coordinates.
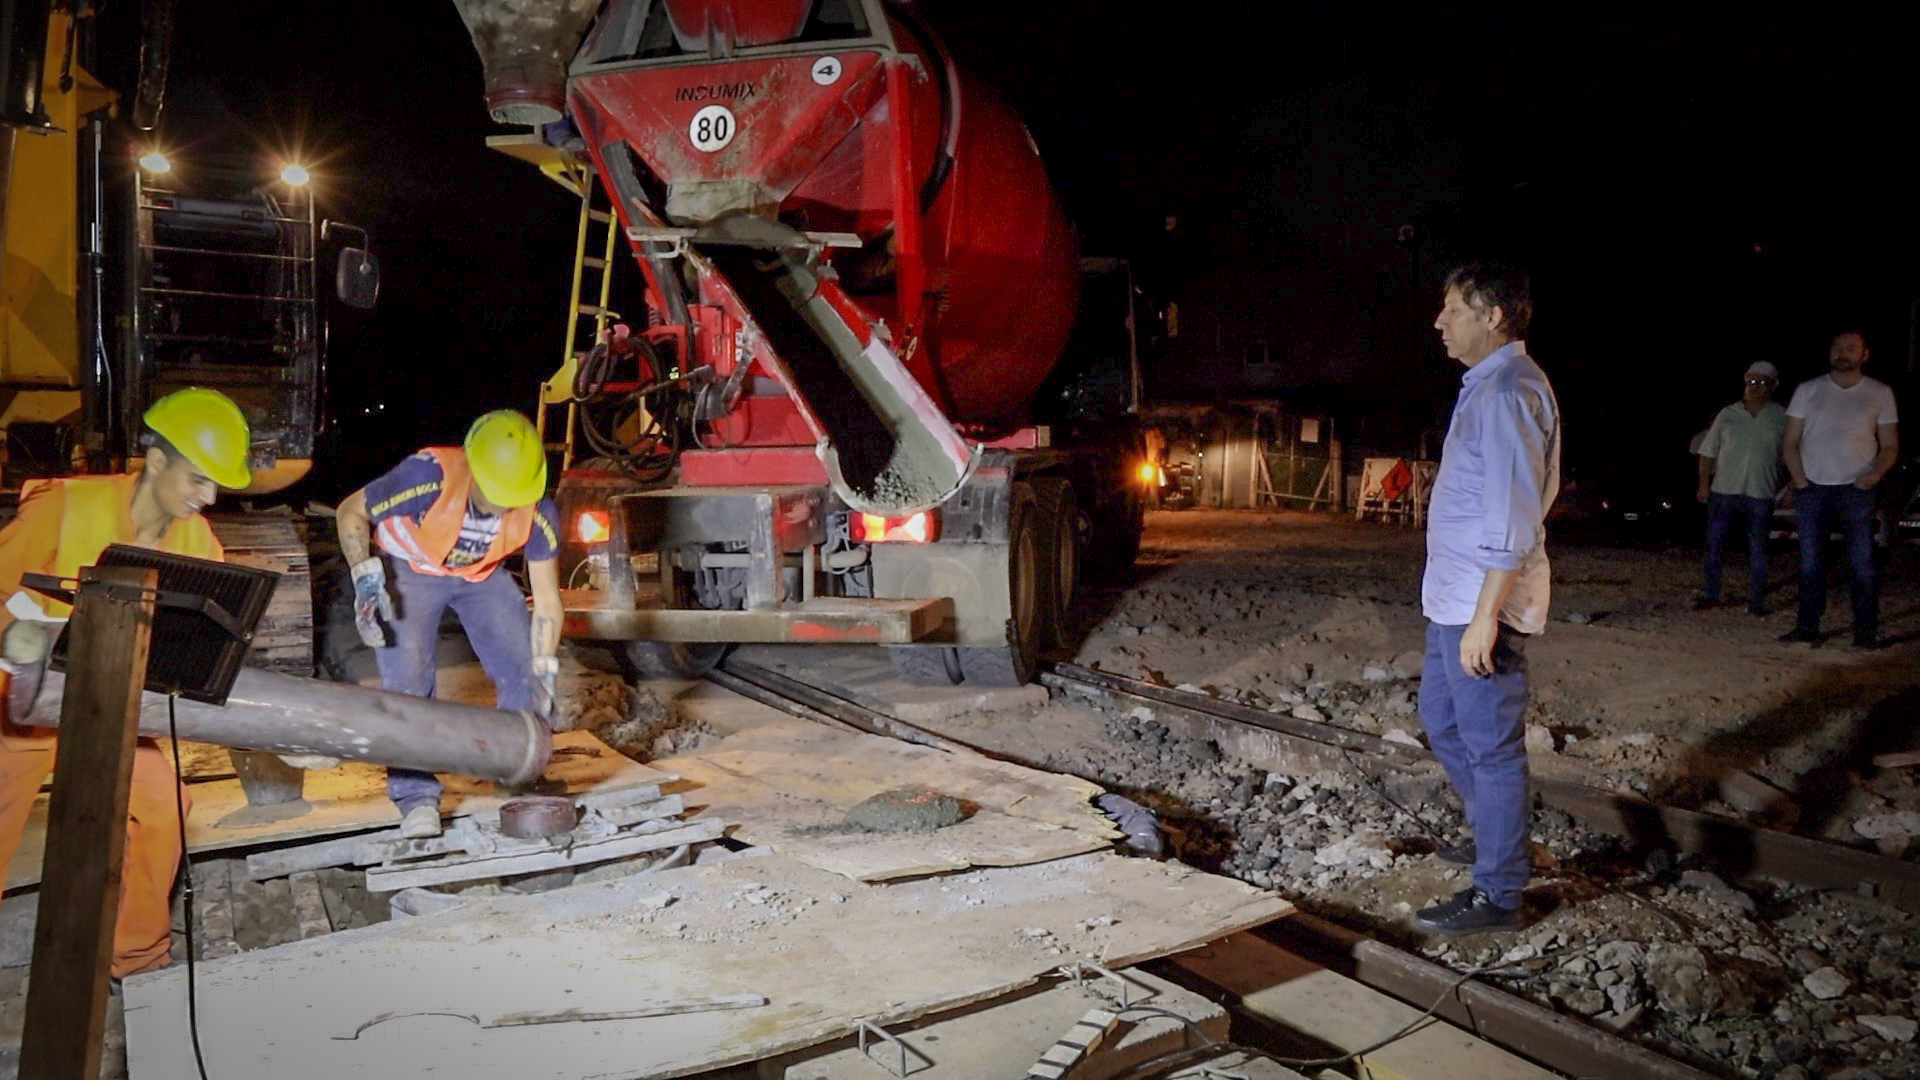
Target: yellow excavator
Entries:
(130, 272)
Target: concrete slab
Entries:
(865, 676)
(1002, 1038)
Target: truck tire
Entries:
(670, 659)
(924, 666)
(1059, 515)
(1015, 663)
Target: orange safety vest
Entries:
(426, 544)
(75, 519)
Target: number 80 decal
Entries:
(712, 128)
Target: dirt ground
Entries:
(1636, 688)
(1318, 616)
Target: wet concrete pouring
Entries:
(1316, 617)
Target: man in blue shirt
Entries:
(1485, 589)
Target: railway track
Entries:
(1553, 1040)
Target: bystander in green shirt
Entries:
(1745, 448)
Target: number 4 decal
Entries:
(712, 128)
(826, 70)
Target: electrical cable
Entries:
(186, 886)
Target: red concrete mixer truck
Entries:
(875, 394)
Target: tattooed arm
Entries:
(355, 528)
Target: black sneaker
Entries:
(1469, 912)
(1702, 603)
(1457, 854)
(1798, 636)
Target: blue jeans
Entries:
(493, 613)
(1720, 513)
(1476, 728)
(1820, 507)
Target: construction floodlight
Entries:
(203, 619)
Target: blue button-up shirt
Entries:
(1499, 472)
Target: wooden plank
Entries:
(333, 851)
(823, 951)
(1298, 995)
(507, 864)
(87, 823)
(309, 907)
(353, 798)
(788, 786)
(1004, 1038)
(213, 909)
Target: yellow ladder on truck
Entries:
(595, 243)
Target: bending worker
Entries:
(444, 520)
(196, 442)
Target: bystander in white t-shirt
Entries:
(1840, 439)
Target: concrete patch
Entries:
(906, 809)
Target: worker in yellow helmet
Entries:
(196, 442)
(444, 520)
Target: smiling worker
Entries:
(197, 442)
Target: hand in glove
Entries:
(546, 688)
(23, 655)
(372, 607)
(25, 643)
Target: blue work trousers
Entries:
(1820, 507)
(494, 614)
(1476, 726)
(1758, 515)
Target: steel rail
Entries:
(1736, 847)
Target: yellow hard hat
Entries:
(507, 460)
(209, 430)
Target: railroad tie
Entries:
(1070, 1049)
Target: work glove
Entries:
(24, 648)
(313, 762)
(372, 607)
(546, 689)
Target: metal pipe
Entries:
(287, 714)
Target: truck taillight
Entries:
(1150, 475)
(593, 527)
(917, 528)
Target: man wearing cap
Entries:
(444, 520)
(196, 442)
(1739, 476)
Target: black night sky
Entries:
(1695, 186)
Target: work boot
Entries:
(1801, 636)
(420, 822)
(1469, 912)
(1456, 854)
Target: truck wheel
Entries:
(1059, 517)
(670, 659)
(926, 667)
(1015, 663)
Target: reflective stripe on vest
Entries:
(425, 545)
